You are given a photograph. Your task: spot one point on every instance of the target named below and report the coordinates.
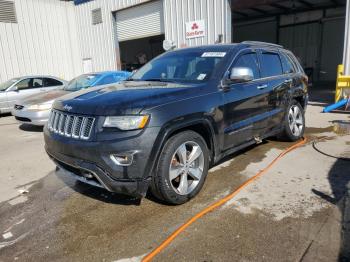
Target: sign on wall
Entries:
(195, 29)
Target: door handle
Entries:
(260, 87)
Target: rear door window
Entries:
(270, 64)
(37, 82)
(51, 82)
(249, 60)
(287, 64)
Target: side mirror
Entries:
(241, 74)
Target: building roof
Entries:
(254, 9)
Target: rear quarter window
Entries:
(270, 64)
(287, 64)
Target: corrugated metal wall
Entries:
(215, 13)
(99, 42)
(42, 42)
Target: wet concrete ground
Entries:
(297, 211)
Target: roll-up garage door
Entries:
(140, 21)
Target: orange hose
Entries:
(217, 204)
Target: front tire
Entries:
(294, 123)
(182, 168)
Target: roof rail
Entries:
(260, 43)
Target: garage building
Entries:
(95, 35)
(312, 29)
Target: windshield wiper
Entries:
(157, 80)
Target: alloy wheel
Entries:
(295, 120)
(186, 168)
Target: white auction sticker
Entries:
(214, 54)
(201, 76)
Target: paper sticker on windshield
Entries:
(214, 54)
(201, 76)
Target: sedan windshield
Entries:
(7, 84)
(182, 66)
(81, 82)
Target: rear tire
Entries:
(294, 123)
(182, 168)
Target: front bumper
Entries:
(38, 118)
(91, 174)
(90, 161)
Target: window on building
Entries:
(96, 16)
(249, 60)
(52, 82)
(7, 12)
(271, 65)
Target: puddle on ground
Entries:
(318, 130)
(341, 127)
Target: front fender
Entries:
(176, 125)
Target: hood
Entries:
(44, 97)
(129, 97)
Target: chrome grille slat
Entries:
(69, 125)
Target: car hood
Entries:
(42, 98)
(129, 97)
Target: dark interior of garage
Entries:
(312, 29)
(137, 52)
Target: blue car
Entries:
(35, 109)
(97, 79)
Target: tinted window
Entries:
(51, 82)
(287, 64)
(271, 65)
(37, 82)
(251, 61)
(295, 61)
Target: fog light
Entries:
(87, 175)
(122, 159)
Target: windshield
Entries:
(183, 66)
(7, 84)
(81, 82)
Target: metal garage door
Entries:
(304, 40)
(140, 21)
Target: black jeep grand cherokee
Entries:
(180, 113)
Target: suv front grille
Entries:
(78, 127)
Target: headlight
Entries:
(126, 122)
(40, 107)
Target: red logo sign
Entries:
(194, 26)
(195, 29)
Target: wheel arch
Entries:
(200, 126)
